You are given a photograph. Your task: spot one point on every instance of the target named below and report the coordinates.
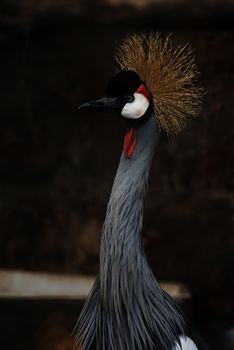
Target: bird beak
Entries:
(102, 105)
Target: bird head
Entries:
(126, 94)
(153, 76)
(152, 72)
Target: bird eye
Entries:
(128, 98)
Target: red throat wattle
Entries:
(129, 143)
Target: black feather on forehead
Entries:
(124, 82)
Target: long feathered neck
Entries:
(126, 308)
(121, 256)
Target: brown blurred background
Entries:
(57, 165)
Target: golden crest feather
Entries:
(169, 73)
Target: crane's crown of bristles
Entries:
(170, 74)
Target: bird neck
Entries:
(121, 251)
(126, 308)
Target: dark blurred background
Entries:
(57, 165)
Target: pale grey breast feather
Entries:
(185, 344)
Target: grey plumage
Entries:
(126, 308)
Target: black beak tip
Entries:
(82, 106)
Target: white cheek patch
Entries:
(137, 108)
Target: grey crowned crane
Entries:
(155, 88)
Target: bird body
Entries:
(127, 309)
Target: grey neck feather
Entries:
(127, 309)
(121, 256)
